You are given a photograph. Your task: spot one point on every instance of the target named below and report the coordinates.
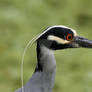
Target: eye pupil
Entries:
(69, 37)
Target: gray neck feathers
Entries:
(46, 60)
(46, 67)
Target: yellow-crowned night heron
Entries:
(53, 38)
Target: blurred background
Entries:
(21, 20)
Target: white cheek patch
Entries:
(57, 39)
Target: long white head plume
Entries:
(30, 43)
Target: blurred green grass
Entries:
(21, 20)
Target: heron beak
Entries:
(82, 42)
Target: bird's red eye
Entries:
(69, 37)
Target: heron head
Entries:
(61, 37)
